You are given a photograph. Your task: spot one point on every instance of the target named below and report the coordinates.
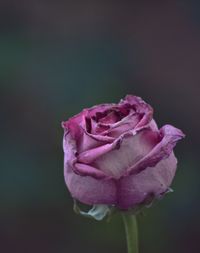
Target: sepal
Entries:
(97, 212)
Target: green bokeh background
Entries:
(58, 57)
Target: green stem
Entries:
(130, 224)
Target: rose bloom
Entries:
(115, 154)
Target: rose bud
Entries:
(114, 154)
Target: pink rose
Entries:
(115, 154)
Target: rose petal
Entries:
(132, 100)
(127, 123)
(110, 118)
(141, 107)
(153, 125)
(69, 148)
(85, 188)
(74, 125)
(101, 138)
(169, 137)
(87, 142)
(87, 170)
(89, 190)
(132, 148)
(99, 109)
(91, 155)
(79, 121)
(135, 189)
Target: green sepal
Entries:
(97, 212)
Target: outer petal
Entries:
(169, 137)
(86, 189)
(70, 155)
(89, 190)
(69, 147)
(74, 125)
(136, 189)
(153, 125)
(133, 147)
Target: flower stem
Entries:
(130, 224)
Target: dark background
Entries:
(57, 57)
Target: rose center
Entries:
(111, 116)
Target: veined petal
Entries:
(91, 155)
(89, 190)
(133, 147)
(154, 181)
(101, 138)
(169, 137)
(87, 142)
(141, 108)
(86, 189)
(69, 148)
(126, 124)
(87, 170)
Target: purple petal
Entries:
(91, 155)
(132, 100)
(169, 137)
(110, 118)
(69, 148)
(73, 125)
(87, 170)
(101, 138)
(127, 123)
(87, 142)
(153, 125)
(135, 189)
(133, 147)
(141, 108)
(70, 156)
(89, 190)
(86, 189)
(79, 122)
(99, 109)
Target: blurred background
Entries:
(57, 57)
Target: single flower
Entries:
(114, 154)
